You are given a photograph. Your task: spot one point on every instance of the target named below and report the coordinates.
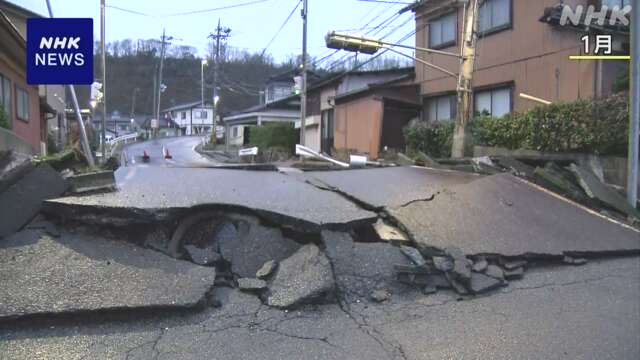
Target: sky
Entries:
(253, 26)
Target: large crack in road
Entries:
(349, 293)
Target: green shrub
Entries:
(274, 135)
(434, 140)
(4, 120)
(588, 126)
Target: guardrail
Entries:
(125, 139)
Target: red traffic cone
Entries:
(167, 154)
(145, 156)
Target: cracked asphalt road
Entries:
(589, 312)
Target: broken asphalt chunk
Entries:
(480, 265)
(596, 189)
(481, 283)
(574, 261)
(81, 273)
(495, 272)
(517, 273)
(267, 269)
(442, 263)
(361, 268)
(380, 295)
(251, 285)
(21, 201)
(414, 255)
(513, 264)
(303, 278)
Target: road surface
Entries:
(181, 149)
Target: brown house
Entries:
(518, 52)
(20, 101)
(362, 111)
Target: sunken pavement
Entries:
(403, 262)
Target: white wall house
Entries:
(192, 118)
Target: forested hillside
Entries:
(132, 66)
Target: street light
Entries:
(203, 63)
(371, 46)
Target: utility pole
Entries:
(104, 80)
(634, 132)
(303, 93)
(83, 133)
(220, 34)
(159, 89)
(461, 136)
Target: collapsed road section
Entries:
(294, 242)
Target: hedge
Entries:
(588, 126)
(274, 135)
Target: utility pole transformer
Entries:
(461, 136)
(634, 131)
(220, 34)
(303, 92)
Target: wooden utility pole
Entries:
(461, 136)
(220, 34)
(303, 92)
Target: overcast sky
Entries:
(252, 26)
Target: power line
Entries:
(388, 20)
(201, 11)
(281, 27)
(216, 9)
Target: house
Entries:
(361, 112)
(19, 100)
(52, 97)
(284, 85)
(281, 103)
(118, 124)
(519, 51)
(192, 118)
(282, 110)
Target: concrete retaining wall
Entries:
(614, 167)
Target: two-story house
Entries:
(192, 118)
(18, 100)
(52, 97)
(518, 52)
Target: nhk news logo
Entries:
(60, 51)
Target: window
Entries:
(235, 131)
(22, 105)
(202, 114)
(183, 115)
(442, 31)
(494, 15)
(441, 108)
(619, 3)
(495, 102)
(5, 95)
